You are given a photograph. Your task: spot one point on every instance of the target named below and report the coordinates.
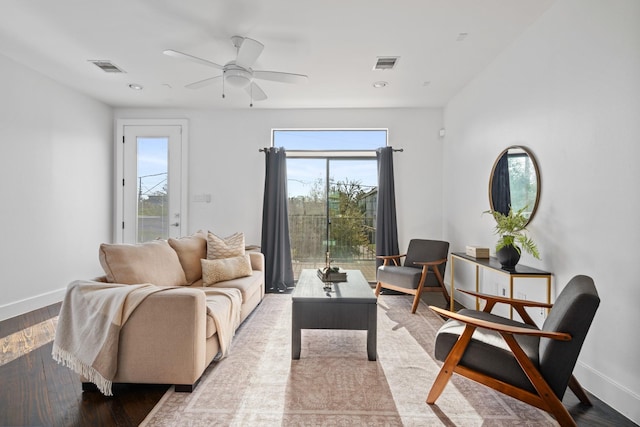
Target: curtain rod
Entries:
(262, 150)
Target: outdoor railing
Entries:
(351, 242)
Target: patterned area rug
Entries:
(333, 383)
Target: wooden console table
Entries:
(520, 271)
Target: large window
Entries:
(332, 185)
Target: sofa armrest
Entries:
(164, 340)
(257, 260)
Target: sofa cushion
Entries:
(247, 286)
(218, 270)
(152, 262)
(227, 247)
(191, 250)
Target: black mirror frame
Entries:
(535, 166)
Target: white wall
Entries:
(569, 89)
(224, 161)
(55, 187)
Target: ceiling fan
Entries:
(238, 72)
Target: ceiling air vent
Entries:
(386, 62)
(107, 66)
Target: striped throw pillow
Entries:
(227, 247)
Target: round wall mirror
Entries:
(515, 182)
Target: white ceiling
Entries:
(334, 42)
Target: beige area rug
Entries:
(333, 383)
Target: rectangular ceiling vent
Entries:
(107, 66)
(386, 62)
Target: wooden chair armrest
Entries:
(506, 300)
(506, 329)
(390, 256)
(431, 263)
(394, 258)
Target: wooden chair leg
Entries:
(416, 300)
(577, 389)
(554, 405)
(445, 294)
(450, 363)
(378, 288)
(418, 290)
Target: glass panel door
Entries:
(332, 208)
(152, 183)
(152, 175)
(307, 189)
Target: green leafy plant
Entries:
(511, 228)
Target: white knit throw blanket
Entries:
(223, 305)
(89, 325)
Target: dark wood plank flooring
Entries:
(36, 391)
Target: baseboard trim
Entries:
(613, 394)
(26, 305)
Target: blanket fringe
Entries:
(67, 359)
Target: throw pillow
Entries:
(152, 262)
(226, 247)
(218, 270)
(191, 250)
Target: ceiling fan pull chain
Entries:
(223, 78)
(251, 95)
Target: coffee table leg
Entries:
(295, 344)
(296, 337)
(372, 332)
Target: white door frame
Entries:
(118, 204)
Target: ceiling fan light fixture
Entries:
(237, 77)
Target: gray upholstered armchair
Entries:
(423, 269)
(530, 364)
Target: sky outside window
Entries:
(330, 140)
(152, 164)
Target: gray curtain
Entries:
(276, 245)
(500, 186)
(386, 223)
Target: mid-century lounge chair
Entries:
(423, 270)
(518, 359)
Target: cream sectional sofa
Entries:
(169, 338)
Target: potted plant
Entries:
(511, 228)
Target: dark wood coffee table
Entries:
(349, 305)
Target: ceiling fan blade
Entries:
(202, 83)
(277, 76)
(255, 92)
(248, 53)
(176, 54)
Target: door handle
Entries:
(175, 224)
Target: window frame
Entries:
(347, 153)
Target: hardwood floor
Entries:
(36, 391)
